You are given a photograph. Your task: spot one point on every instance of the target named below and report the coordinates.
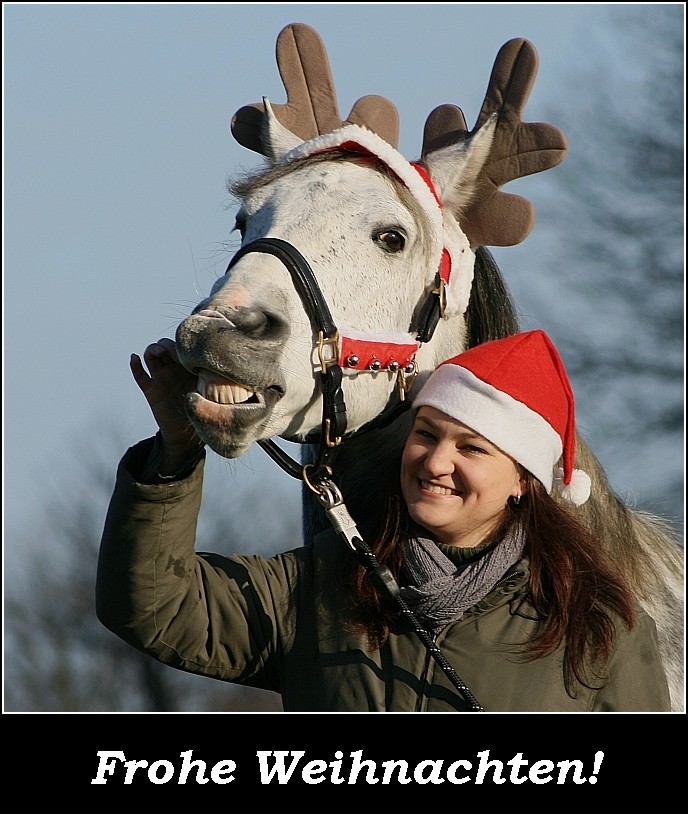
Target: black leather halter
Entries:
(333, 426)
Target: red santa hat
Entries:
(515, 392)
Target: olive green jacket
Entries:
(273, 622)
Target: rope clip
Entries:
(330, 498)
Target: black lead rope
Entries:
(330, 498)
(381, 576)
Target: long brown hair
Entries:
(574, 587)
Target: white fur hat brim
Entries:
(520, 432)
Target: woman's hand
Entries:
(164, 385)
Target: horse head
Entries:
(389, 245)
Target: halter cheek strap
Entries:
(445, 267)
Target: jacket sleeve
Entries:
(225, 617)
(637, 680)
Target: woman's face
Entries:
(456, 484)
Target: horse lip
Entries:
(228, 429)
(210, 412)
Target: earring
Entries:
(517, 499)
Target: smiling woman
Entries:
(476, 477)
(514, 591)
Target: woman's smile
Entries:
(437, 489)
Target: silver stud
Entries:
(376, 364)
(352, 361)
(394, 366)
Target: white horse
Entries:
(360, 271)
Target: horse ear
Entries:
(496, 218)
(276, 139)
(311, 109)
(455, 169)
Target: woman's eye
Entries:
(473, 450)
(425, 435)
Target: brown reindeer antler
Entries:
(493, 218)
(496, 218)
(311, 109)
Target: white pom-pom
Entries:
(576, 492)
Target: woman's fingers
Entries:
(138, 371)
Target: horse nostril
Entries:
(251, 321)
(215, 312)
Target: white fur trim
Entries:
(506, 422)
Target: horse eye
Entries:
(391, 240)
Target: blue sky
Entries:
(115, 156)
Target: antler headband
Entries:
(311, 109)
(493, 218)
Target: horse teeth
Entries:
(227, 393)
(223, 391)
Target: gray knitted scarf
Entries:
(439, 591)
